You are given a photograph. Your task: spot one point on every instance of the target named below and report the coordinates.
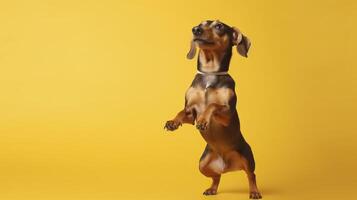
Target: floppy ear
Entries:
(191, 54)
(241, 41)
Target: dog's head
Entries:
(218, 38)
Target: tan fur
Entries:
(212, 164)
(208, 103)
(220, 96)
(195, 99)
(221, 163)
(211, 56)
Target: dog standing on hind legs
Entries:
(210, 102)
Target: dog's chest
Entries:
(209, 81)
(200, 95)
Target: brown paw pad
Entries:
(255, 195)
(210, 191)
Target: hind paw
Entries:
(210, 191)
(255, 195)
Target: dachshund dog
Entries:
(210, 102)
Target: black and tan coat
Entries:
(210, 103)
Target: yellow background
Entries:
(86, 87)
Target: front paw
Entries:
(172, 125)
(202, 124)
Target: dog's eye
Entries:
(218, 26)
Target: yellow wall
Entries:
(86, 87)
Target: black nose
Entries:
(197, 30)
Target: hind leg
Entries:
(211, 165)
(213, 189)
(253, 189)
(249, 167)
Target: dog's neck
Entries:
(211, 61)
(211, 73)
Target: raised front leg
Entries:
(219, 113)
(182, 117)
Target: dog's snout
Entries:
(197, 31)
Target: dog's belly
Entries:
(216, 134)
(222, 163)
(222, 140)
